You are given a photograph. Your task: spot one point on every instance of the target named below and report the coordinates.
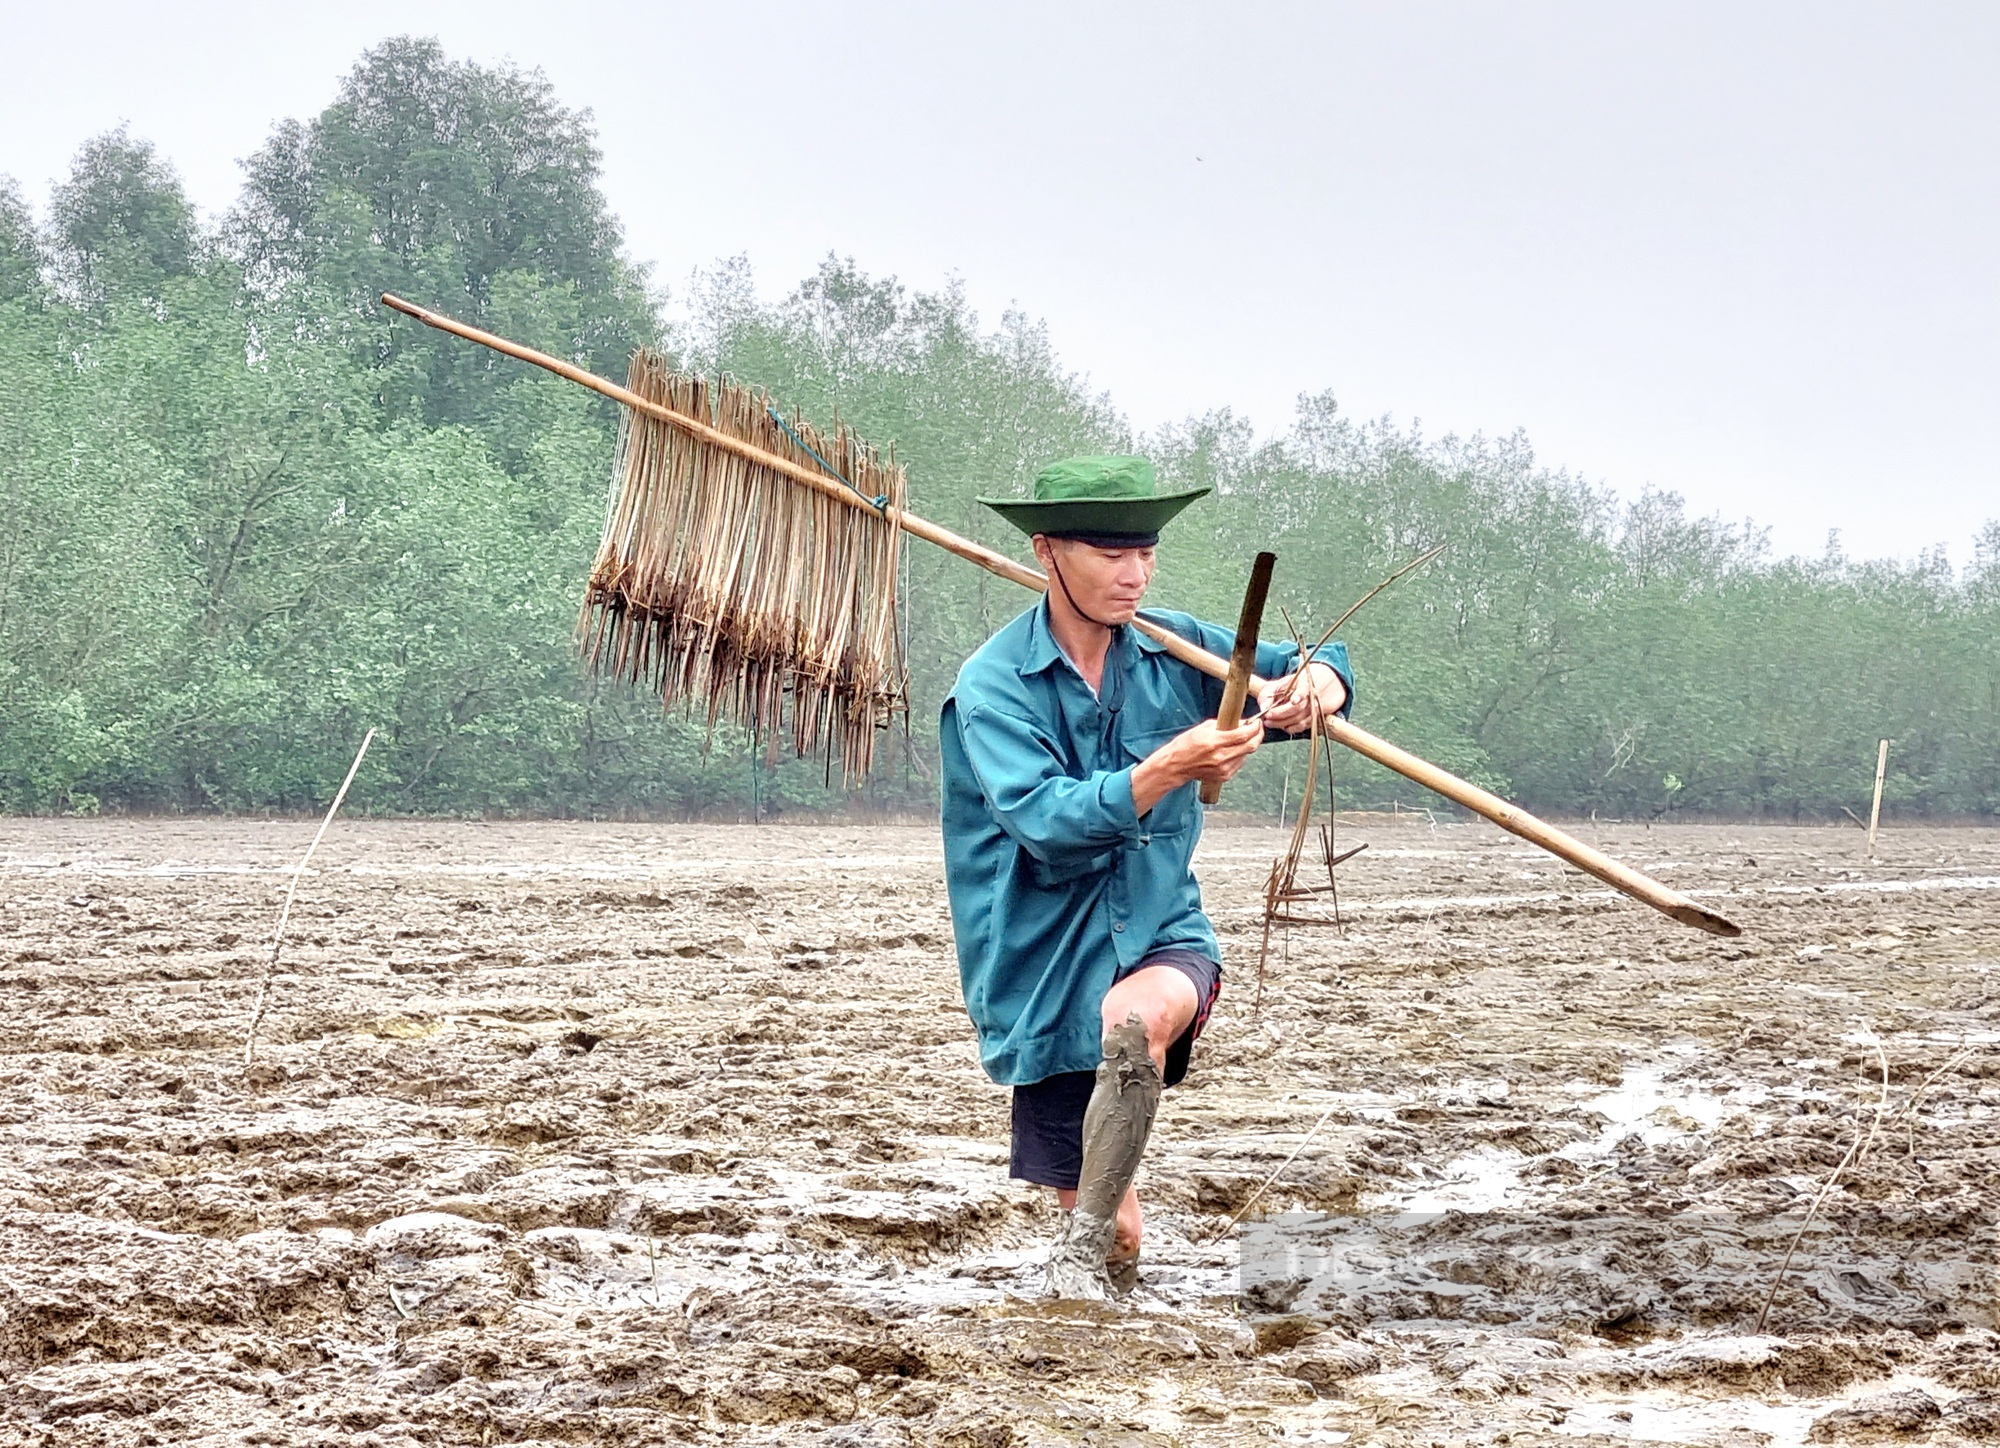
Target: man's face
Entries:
(1107, 583)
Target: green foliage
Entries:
(470, 188)
(20, 248)
(245, 515)
(121, 222)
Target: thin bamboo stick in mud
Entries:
(1509, 817)
(1875, 808)
(291, 894)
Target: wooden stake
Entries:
(1875, 809)
(1509, 817)
(1243, 657)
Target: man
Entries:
(1073, 746)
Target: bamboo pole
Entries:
(1875, 809)
(1517, 821)
(1514, 820)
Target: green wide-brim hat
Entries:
(1108, 497)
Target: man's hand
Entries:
(1205, 752)
(1287, 704)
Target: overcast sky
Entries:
(1747, 252)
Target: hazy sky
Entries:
(1744, 251)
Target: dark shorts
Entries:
(1048, 1116)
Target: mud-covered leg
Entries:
(1116, 1124)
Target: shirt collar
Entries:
(1043, 651)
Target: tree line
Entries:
(245, 514)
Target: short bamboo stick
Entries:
(1509, 817)
(1875, 809)
(1242, 658)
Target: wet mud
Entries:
(567, 1133)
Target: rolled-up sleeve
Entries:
(1059, 819)
(1274, 661)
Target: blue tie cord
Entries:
(880, 503)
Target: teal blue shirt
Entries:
(1054, 877)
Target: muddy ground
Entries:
(573, 1133)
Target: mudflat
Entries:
(571, 1132)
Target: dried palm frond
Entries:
(734, 591)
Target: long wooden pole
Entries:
(1509, 817)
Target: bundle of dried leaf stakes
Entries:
(1284, 897)
(735, 592)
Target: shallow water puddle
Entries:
(1486, 1180)
(1638, 1103)
(1489, 1179)
(1668, 1419)
(1665, 1417)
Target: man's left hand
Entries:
(1287, 704)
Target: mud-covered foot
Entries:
(1123, 1274)
(1076, 1266)
(1072, 1281)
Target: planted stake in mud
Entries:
(1875, 807)
(285, 915)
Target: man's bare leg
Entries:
(1143, 1014)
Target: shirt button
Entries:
(1119, 928)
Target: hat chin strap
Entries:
(1063, 584)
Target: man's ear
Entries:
(1044, 549)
